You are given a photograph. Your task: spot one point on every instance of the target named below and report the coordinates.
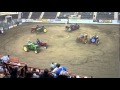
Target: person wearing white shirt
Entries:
(5, 58)
(57, 67)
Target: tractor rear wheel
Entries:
(25, 47)
(45, 30)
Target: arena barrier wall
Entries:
(70, 21)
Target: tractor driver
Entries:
(42, 27)
(85, 38)
(38, 41)
(29, 42)
(37, 26)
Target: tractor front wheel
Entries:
(45, 30)
(37, 51)
(25, 47)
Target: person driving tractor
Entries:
(38, 41)
(37, 26)
(94, 38)
(29, 42)
(85, 38)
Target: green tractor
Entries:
(31, 46)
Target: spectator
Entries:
(1, 69)
(46, 74)
(61, 69)
(35, 73)
(57, 67)
(64, 73)
(53, 66)
(14, 73)
(5, 58)
(29, 74)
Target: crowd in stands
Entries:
(36, 15)
(10, 70)
(49, 15)
(86, 15)
(63, 15)
(105, 15)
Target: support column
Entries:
(58, 14)
(41, 16)
(19, 15)
(94, 15)
(30, 14)
(115, 15)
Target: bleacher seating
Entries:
(2, 18)
(49, 15)
(105, 15)
(14, 16)
(25, 15)
(24, 68)
(86, 15)
(36, 15)
(65, 15)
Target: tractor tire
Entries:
(37, 51)
(69, 29)
(45, 30)
(25, 48)
(97, 42)
(45, 47)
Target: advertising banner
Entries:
(58, 20)
(44, 20)
(105, 21)
(80, 21)
(29, 20)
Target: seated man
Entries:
(37, 27)
(53, 66)
(81, 37)
(46, 74)
(94, 38)
(5, 59)
(38, 41)
(85, 38)
(29, 42)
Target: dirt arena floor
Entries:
(100, 61)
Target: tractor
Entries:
(38, 29)
(39, 43)
(82, 38)
(31, 46)
(85, 38)
(72, 27)
(95, 40)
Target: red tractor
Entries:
(72, 27)
(41, 43)
(38, 29)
